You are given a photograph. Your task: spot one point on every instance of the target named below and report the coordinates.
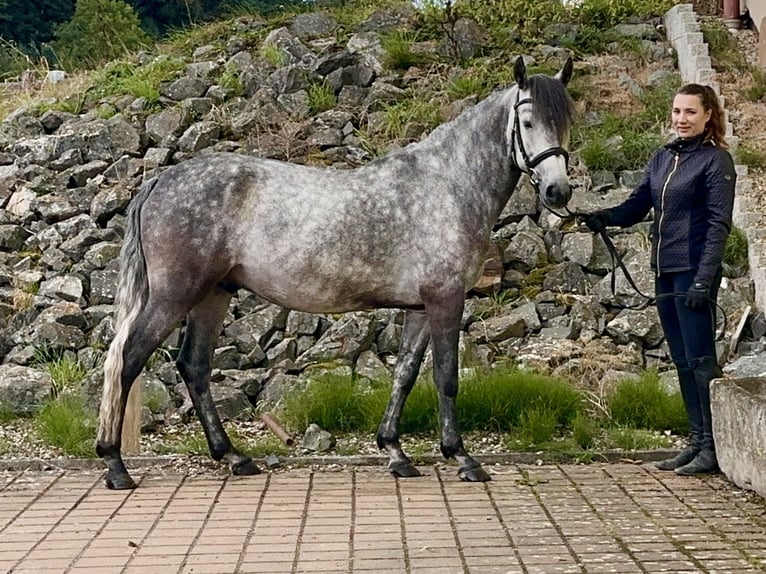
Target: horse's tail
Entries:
(132, 294)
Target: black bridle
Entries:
(530, 163)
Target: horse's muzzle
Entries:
(556, 195)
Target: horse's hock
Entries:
(739, 407)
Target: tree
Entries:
(29, 23)
(100, 30)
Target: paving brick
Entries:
(566, 518)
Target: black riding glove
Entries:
(698, 296)
(597, 221)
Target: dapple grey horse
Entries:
(409, 230)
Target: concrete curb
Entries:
(36, 464)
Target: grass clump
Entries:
(66, 423)
(321, 97)
(63, 367)
(400, 54)
(335, 403)
(123, 77)
(496, 400)
(644, 403)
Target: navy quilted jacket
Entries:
(690, 185)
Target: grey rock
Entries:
(316, 439)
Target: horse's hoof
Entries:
(404, 470)
(245, 468)
(119, 481)
(474, 474)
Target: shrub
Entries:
(100, 30)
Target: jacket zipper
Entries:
(662, 207)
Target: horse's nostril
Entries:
(557, 195)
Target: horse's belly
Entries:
(318, 294)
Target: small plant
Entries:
(584, 431)
(66, 423)
(321, 97)
(735, 262)
(627, 438)
(63, 367)
(538, 425)
(408, 119)
(399, 52)
(66, 372)
(231, 83)
(190, 442)
(644, 403)
(123, 77)
(273, 54)
(24, 295)
(465, 86)
(335, 403)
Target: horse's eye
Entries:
(527, 125)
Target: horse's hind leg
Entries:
(444, 308)
(411, 351)
(203, 327)
(135, 341)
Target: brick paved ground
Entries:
(530, 519)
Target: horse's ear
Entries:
(520, 73)
(565, 74)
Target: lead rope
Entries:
(617, 262)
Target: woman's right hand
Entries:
(597, 221)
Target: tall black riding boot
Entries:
(706, 461)
(688, 385)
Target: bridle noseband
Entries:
(530, 164)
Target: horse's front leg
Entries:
(194, 364)
(411, 351)
(444, 309)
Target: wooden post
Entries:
(276, 428)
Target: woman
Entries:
(690, 184)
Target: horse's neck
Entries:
(476, 149)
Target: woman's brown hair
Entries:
(715, 128)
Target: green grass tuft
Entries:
(735, 261)
(66, 423)
(645, 404)
(321, 97)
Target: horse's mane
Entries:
(553, 105)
